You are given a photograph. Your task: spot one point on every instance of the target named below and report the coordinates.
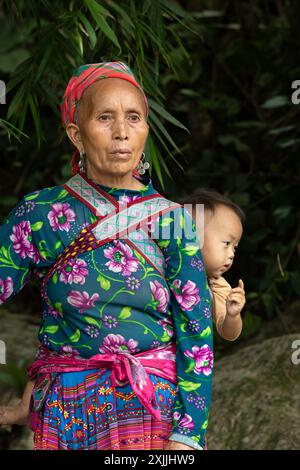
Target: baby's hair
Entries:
(211, 199)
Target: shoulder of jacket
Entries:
(50, 194)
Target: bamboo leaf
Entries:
(36, 116)
(89, 29)
(164, 113)
(98, 12)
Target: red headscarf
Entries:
(82, 78)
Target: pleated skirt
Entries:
(84, 411)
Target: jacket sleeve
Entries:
(19, 255)
(191, 310)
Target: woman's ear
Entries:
(74, 135)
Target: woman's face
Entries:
(111, 127)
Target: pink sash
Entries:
(125, 367)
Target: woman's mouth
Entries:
(121, 153)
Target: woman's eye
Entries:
(104, 117)
(134, 117)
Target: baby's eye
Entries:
(226, 243)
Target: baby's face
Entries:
(222, 233)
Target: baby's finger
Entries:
(241, 284)
(238, 289)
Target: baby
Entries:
(222, 233)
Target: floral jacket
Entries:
(122, 294)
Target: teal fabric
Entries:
(111, 298)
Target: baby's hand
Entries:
(236, 300)
(17, 414)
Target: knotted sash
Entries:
(125, 367)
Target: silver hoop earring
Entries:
(81, 162)
(143, 165)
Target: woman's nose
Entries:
(120, 129)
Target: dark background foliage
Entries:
(219, 77)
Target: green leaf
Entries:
(93, 218)
(191, 367)
(191, 250)
(205, 424)
(92, 321)
(17, 100)
(57, 245)
(183, 327)
(125, 313)
(4, 252)
(188, 386)
(37, 226)
(149, 270)
(154, 120)
(33, 196)
(44, 254)
(163, 243)
(62, 194)
(104, 283)
(163, 113)
(166, 221)
(55, 278)
(51, 329)
(58, 307)
(75, 337)
(205, 333)
(252, 323)
(139, 257)
(182, 221)
(98, 12)
(276, 102)
(34, 107)
(89, 29)
(165, 337)
(280, 130)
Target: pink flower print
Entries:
(6, 289)
(127, 199)
(74, 271)
(121, 259)
(203, 358)
(117, 343)
(161, 295)
(82, 300)
(68, 351)
(187, 296)
(167, 326)
(21, 238)
(61, 216)
(185, 423)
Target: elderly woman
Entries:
(125, 360)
